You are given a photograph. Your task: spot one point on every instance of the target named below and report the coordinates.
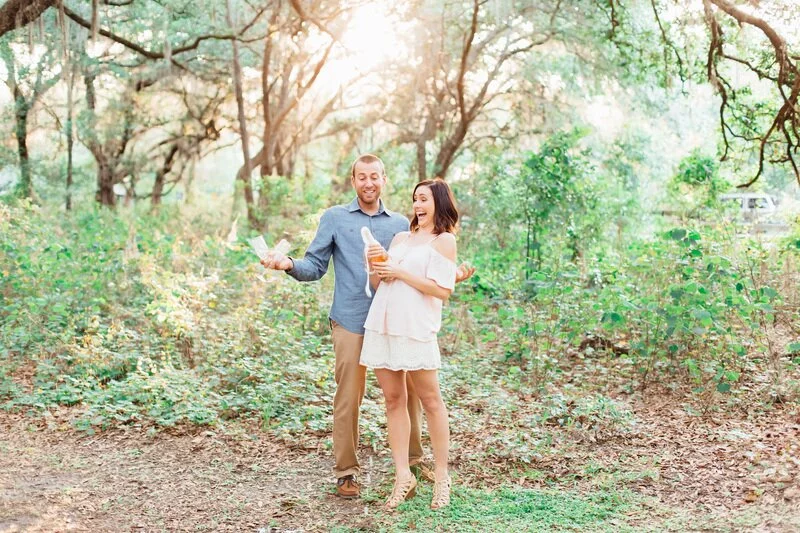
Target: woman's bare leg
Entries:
(393, 384)
(426, 383)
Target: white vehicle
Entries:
(752, 206)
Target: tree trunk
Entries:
(265, 169)
(70, 137)
(448, 151)
(291, 161)
(189, 198)
(422, 170)
(246, 172)
(105, 183)
(158, 189)
(25, 186)
(158, 186)
(106, 175)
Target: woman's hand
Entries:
(376, 253)
(388, 270)
(464, 271)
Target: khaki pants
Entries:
(350, 379)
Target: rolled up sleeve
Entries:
(314, 264)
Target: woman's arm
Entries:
(445, 245)
(424, 285)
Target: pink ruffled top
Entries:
(399, 309)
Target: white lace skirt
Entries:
(399, 353)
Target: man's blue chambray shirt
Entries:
(339, 234)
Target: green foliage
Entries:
(542, 207)
(698, 304)
(557, 188)
(597, 415)
(697, 183)
(140, 319)
(133, 320)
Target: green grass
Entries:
(511, 509)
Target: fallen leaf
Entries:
(751, 496)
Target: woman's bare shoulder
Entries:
(445, 244)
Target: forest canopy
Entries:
(152, 88)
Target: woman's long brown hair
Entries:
(446, 215)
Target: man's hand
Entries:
(464, 272)
(277, 261)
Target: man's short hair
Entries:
(366, 158)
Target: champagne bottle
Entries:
(369, 240)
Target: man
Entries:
(339, 235)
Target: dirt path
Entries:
(717, 474)
(61, 481)
(691, 474)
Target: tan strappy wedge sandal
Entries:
(402, 491)
(441, 493)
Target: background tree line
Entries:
(151, 88)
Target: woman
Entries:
(401, 329)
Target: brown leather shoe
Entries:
(348, 488)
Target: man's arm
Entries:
(314, 264)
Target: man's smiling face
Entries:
(368, 181)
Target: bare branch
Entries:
(758, 72)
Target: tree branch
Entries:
(668, 44)
(788, 116)
(462, 71)
(160, 55)
(19, 13)
(304, 15)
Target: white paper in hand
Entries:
(260, 248)
(283, 247)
